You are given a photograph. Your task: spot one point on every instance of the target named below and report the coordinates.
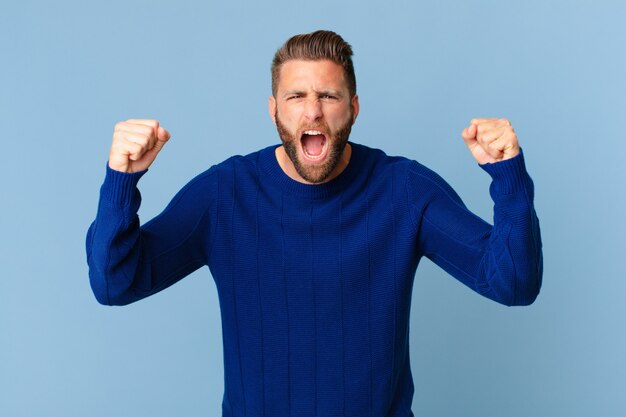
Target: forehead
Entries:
(320, 74)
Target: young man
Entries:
(314, 244)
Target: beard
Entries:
(315, 174)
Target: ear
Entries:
(355, 108)
(271, 108)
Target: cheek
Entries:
(340, 118)
(288, 115)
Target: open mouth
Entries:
(314, 145)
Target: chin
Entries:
(315, 152)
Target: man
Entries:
(314, 244)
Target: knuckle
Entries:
(152, 125)
(144, 130)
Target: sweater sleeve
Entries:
(127, 261)
(502, 262)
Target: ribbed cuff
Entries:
(508, 176)
(119, 187)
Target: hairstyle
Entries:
(314, 46)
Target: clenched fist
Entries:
(136, 143)
(491, 140)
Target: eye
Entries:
(293, 97)
(328, 97)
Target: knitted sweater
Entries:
(314, 281)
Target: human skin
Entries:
(312, 96)
(491, 140)
(136, 143)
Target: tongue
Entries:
(313, 144)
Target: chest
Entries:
(278, 233)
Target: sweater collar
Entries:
(273, 174)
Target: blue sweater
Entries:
(314, 281)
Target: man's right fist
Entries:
(136, 143)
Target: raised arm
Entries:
(127, 261)
(504, 261)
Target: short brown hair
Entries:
(314, 46)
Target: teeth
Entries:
(312, 132)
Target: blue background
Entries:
(71, 69)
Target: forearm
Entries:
(515, 268)
(112, 238)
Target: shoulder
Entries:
(235, 172)
(240, 163)
(399, 166)
(419, 182)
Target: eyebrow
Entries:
(293, 92)
(329, 92)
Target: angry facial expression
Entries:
(314, 113)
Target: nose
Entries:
(313, 109)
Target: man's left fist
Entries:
(491, 140)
